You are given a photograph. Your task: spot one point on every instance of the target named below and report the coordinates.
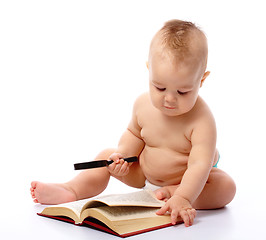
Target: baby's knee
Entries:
(230, 188)
(224, 186)
(227, 187)
(105, 154)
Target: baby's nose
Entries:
(170, 97)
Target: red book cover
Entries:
(96, 224)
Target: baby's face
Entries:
(173, 88)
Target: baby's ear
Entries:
(147, 65)
(205, 75)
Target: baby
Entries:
(172, 131)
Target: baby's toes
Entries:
(32, 194)
(162, 194)
(33, 185)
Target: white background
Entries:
(69, 74)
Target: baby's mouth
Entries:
(168, 107)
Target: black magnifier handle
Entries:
(100, 163)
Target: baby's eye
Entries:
(182, 93)
(160, 89)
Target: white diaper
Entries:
(150, 186)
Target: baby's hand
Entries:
(179, 206)
(119, 167)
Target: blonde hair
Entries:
(182, 41)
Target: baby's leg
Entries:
(51, 193)
(87, 184)
(218, 192)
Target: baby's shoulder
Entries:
(142, 100)
(202, 113)
(143, 97)
(202, 107)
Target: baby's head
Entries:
(177, 64)
(182, 43)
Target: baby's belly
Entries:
(163, 167)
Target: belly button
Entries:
(160, 181)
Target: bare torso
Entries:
(164, 157)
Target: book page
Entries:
(142, 198)
(75, 206)
(145, 198)
(71, 210)
(127, 213)
(127, 219)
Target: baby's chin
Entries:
(172, 112)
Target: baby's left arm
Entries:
(200, 162)
(203, 140)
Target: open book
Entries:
(121, 214)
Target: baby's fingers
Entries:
(184, 215)
(174, 216)
(116, 157)
(188, 216)
(111, 167)
(119, 169)
(163, 210)
(192, 214)
(124, 168)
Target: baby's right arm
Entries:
(130, 144)
(129, 173)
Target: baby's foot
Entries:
(165, 193)
(51, 193)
